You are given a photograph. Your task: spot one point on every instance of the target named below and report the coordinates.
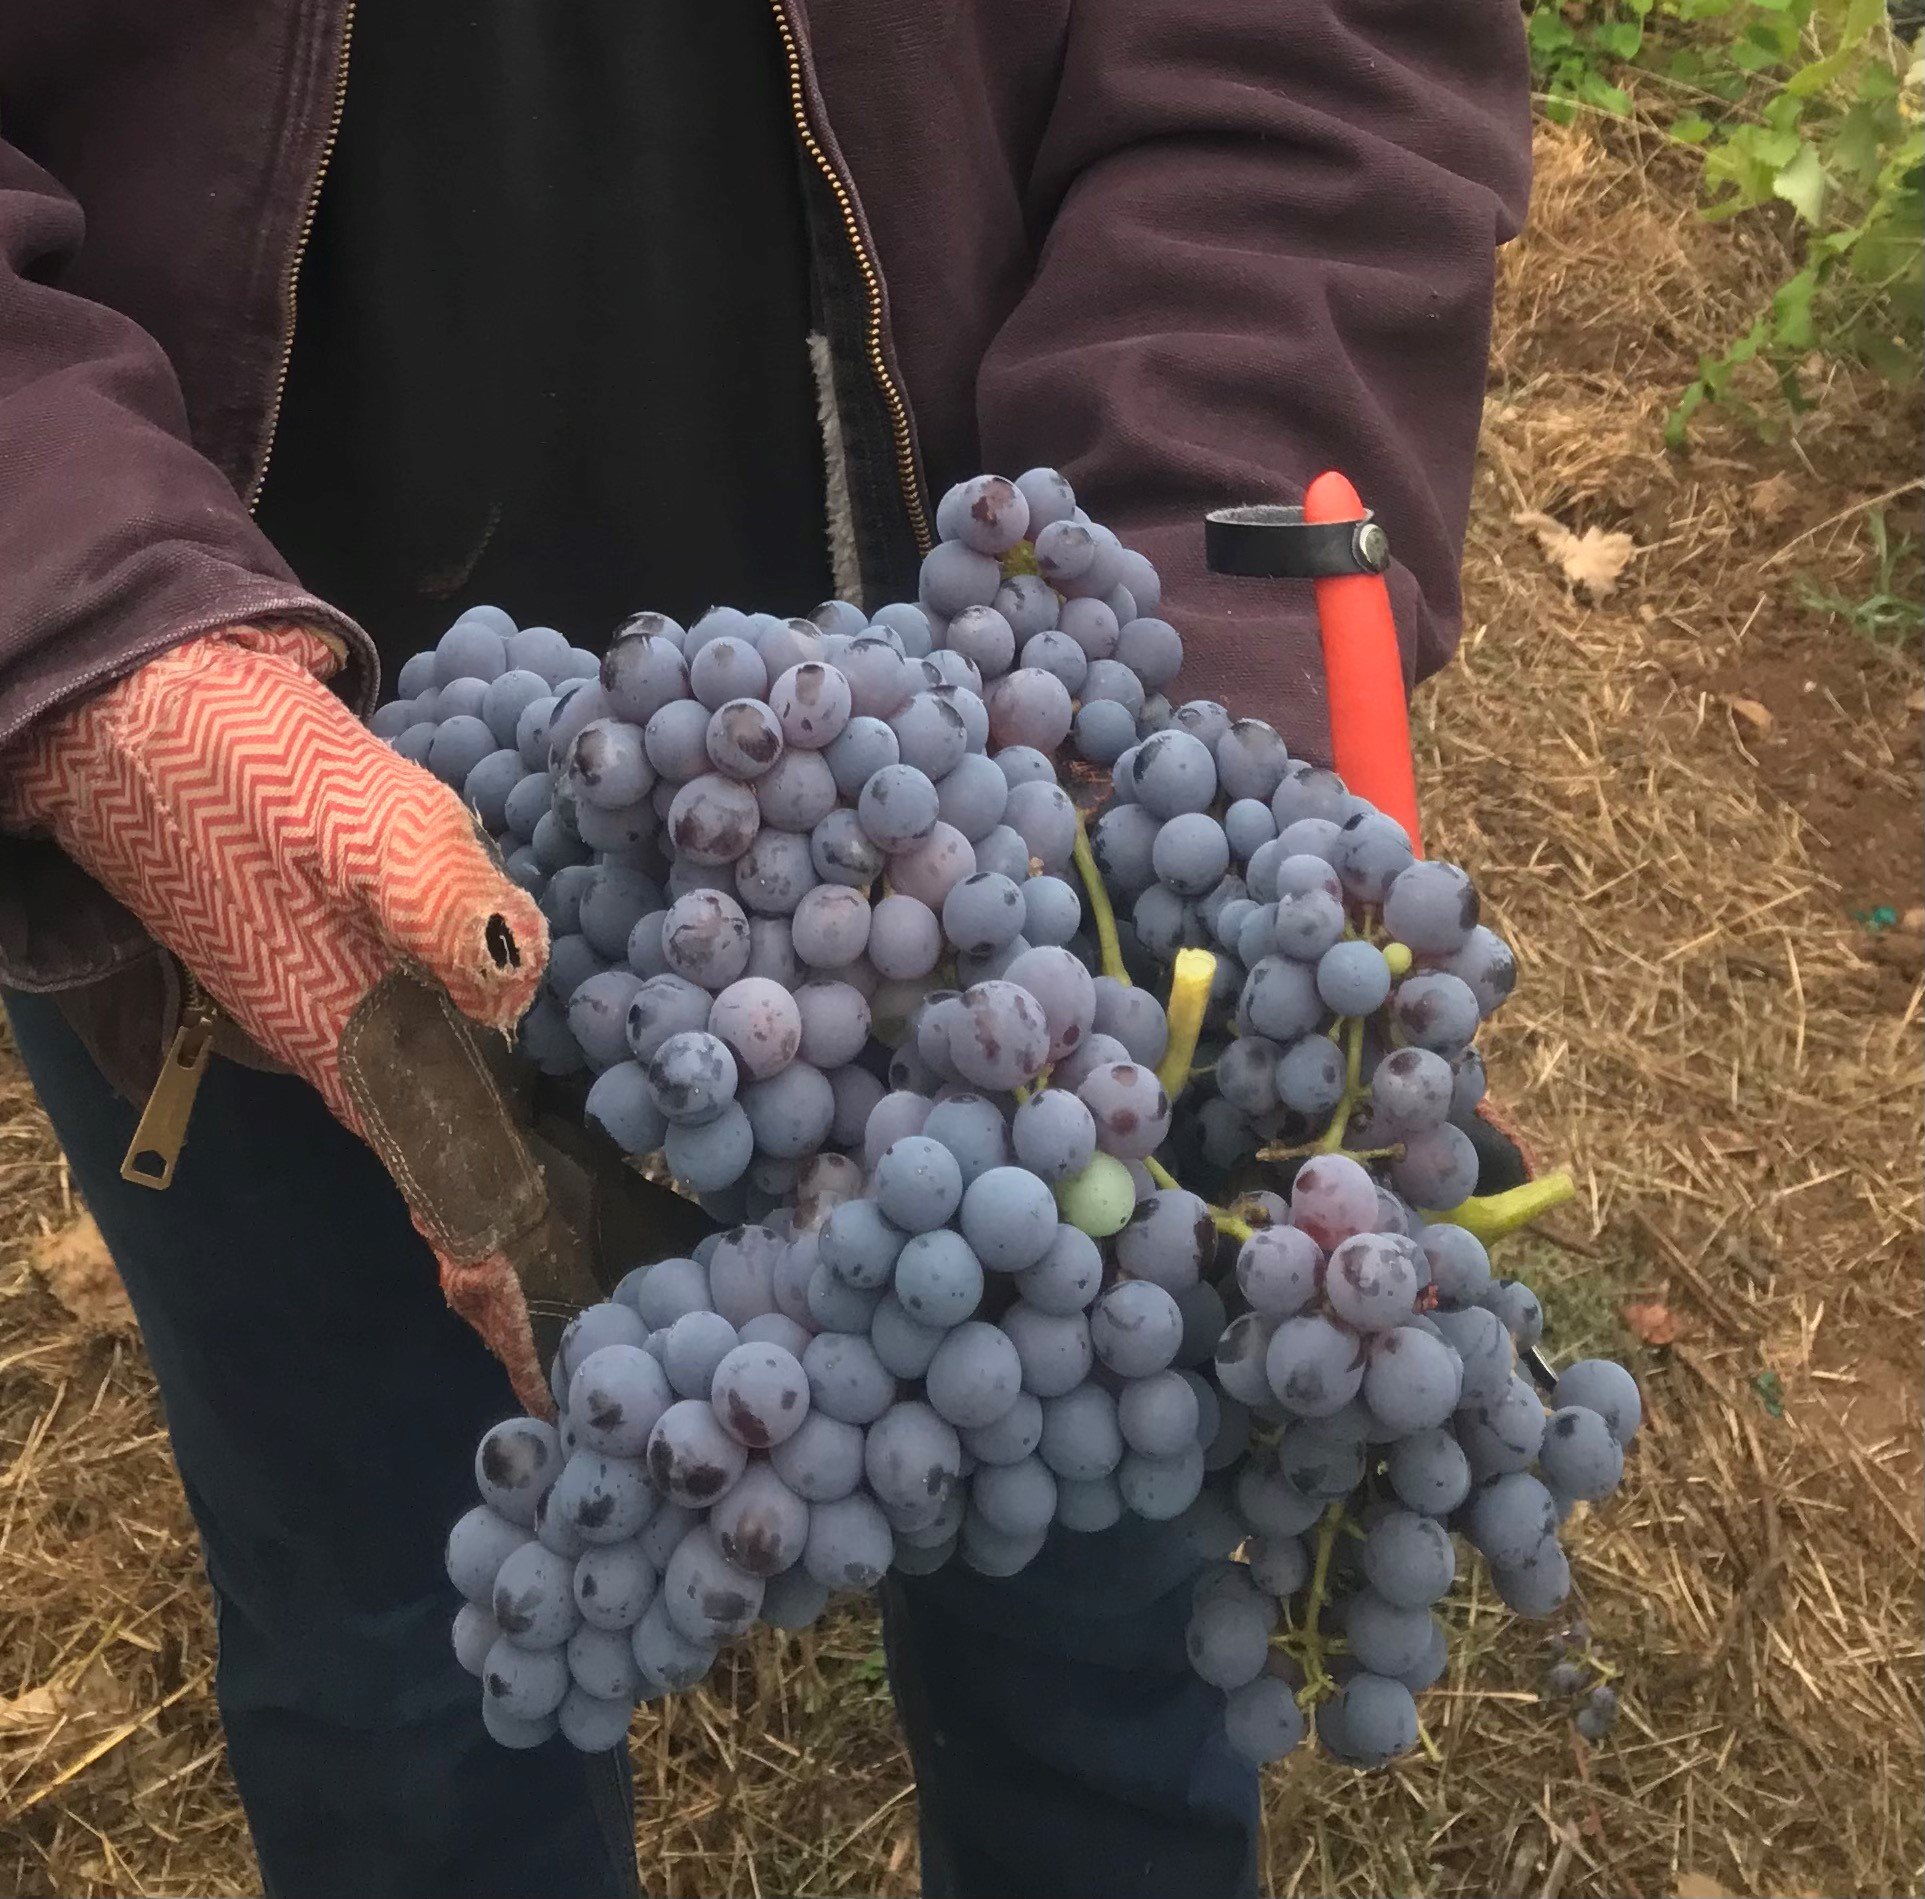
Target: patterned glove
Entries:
(333, 899)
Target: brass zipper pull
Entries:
(155, 1148)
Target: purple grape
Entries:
(640, 674)
(955, 577)
(790, 1113)
(1435, 1010)
(759, 1023)
(985, 638)
(1130, 1107)
(713, 820)
(973, 796)
(1045, 819)
(1029, 707)
(726, 668)
(744, 740)
(705, 939)
(975, 1376)
(930, 870)
(691, 1458)
(846, 1378)
(1153, 650)
(930, 734)
(831, 926)
(822, 1460)
(849, 1545)
(1191, 853)
(880, 679)
(1000, 1037)
(898, 807)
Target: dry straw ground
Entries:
(1675, 795)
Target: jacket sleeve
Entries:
(117, 539)
(1266, 247)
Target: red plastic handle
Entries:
(1363, 672)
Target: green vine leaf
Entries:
(1801, 184)
(1796, 102)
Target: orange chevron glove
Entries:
(293, 863)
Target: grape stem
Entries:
(1349, 1031)
(1238, 1230)
(1109, 950)
(1308, 1645)
(1021, 559)
(1190, 983)
(1493, 1215)
(1354, 1090)
(1308, 1148)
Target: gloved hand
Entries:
(333, 899)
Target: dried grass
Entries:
(1701, 1029)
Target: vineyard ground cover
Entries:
(1724, 1051)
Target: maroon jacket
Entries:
(1190, 251)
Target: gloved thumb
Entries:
(404, 849)
(440, 896)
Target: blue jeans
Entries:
(324, 1405)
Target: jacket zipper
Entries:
(302, 235)
(154, 1152)
(904, 438)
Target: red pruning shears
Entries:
(1333, 541)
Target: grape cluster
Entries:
(1346, 969)
(758, 841)
(920, 1359)
(896, 940)
(705, 1475)
(1378, 1364)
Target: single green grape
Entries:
(1100, 1199)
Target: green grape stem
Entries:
(1238, 1230)
(1348, 1033)
(1309, 1645)
(1354, 1091)
(1109, 949)
(1491, 1216)
(1189, 1001)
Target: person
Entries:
(585, 309)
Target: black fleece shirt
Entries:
(550, 348)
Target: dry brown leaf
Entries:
(1915, 702)
(1754, 714)
(1772, 496)
(1592, 561)
(93, 1695)
(34, 1708)
(1652, 1321)
(1914, 920)
(79, 1272)
(1702, 1886)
